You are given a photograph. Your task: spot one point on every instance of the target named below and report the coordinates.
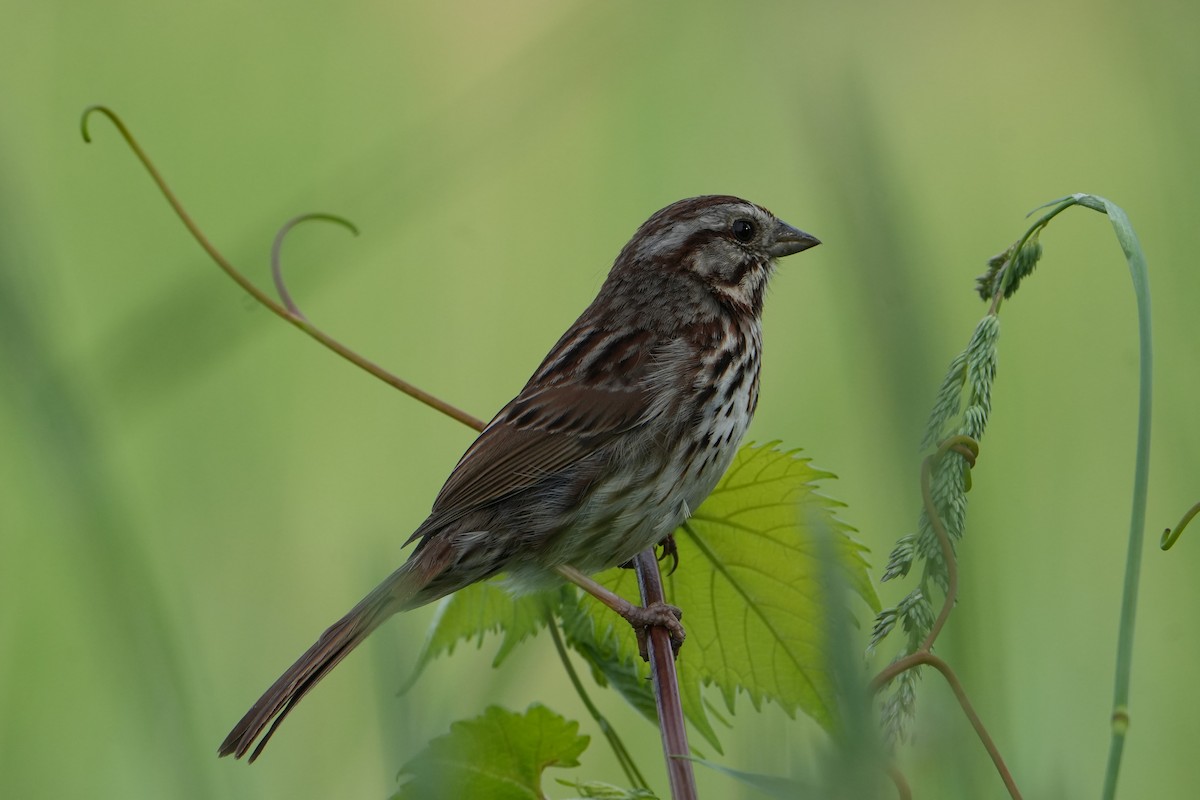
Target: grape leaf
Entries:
(499, 755)
(749, 584)
(482, 608)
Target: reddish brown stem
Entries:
(666, 684)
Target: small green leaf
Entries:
(499, 755)
(477, 610)
(748, 585)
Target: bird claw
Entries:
(669, 548)
(656, 615)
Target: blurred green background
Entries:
(193, 490)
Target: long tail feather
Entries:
(334, 645)
(399, 592)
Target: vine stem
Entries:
(666, 684)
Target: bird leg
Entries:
(642, 618)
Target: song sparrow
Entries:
(625, 427)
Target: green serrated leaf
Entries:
(499, 755)
(477, 610)
(748, 584)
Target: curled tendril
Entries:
(964, 445)
(87, 113)
(277, 246)
(288, 311)
(1170, 536)
(178, 208)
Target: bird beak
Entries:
(789, 240)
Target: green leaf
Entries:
(499, 755)
(1139, 272)
(749, 585)
(479, 609)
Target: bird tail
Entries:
(401, 591)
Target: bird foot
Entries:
(656, 615)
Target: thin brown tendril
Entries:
(902, 789)
(280, 311)
(964, 702)
(277, 246)
(968, 448)
(924, 657)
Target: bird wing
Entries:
(539, 433)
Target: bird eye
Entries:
(743, 230)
